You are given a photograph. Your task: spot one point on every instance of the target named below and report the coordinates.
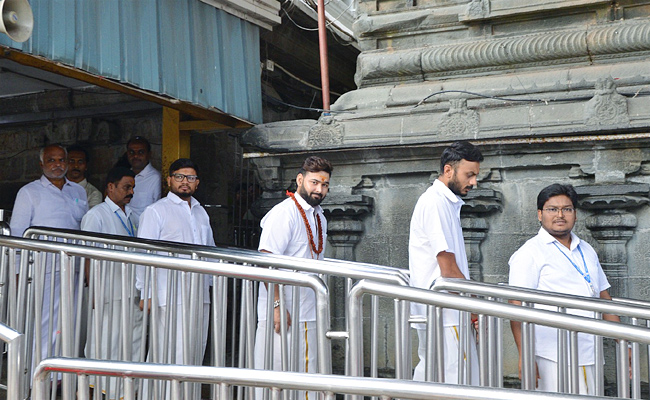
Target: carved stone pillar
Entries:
(612, 225)
(344, 226)
(479, 203)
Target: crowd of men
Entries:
(554, 260)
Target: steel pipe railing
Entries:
(15, 364)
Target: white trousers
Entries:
(451, 338)
(547, 381)
(308, 353)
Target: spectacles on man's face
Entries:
(555, 210)
(180, 177)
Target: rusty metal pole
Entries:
(322, 44)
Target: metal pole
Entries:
(322, 45)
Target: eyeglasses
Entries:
(555, 210)
(180, 177)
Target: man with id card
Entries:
(556, 260)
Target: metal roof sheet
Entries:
(185, 49)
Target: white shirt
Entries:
(146, 191)
(539, 264)
(284, 232)
(435, 227)
(40, 203)
(92, 193)
(109, 218)
(172, 219)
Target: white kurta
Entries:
(284, 232)
(108, 328)
(435, 227)
(40, 203)
(92, 193)
(539, 264)
(146, 191)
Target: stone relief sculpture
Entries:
(459, 120)
(478, 9)
(327, 132)
(607, 107)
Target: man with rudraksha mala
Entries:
(295, 227)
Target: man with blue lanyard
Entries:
(556, 260)
(107, 332)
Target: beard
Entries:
(456, 188)
(183, 195)
(312, 201)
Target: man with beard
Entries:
(55, 202)
(77, 165)
(177, 218)
(437, 248)
(114, 217)
(556, 260)
(147, 178)
(295, 227)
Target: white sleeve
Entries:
(524, 272)
(276, 231)
(22, 213)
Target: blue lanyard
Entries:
(131, 231)
(585, 275)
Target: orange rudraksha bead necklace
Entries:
(308, 227)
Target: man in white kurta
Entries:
(51, 201)
(556, 260)
(177, 218)
(109, 330)
(285, 232)
(147, 178)
(437, 248)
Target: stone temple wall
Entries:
(557, 91)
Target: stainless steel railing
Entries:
(14, 342)
(27, 307)
(349, 271)
(634, 309)
(328, 385)
(435, 300)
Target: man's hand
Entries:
(148, 305)
(276, 319)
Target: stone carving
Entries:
(477, 9)
(607, 107)
(540, 49)
(327, 132)
(459, 120)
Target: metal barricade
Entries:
(350, 271)
(26, 300)
(636, 310)
(435, 300)
(279, 382)
(14, 342)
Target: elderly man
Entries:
(147, 178)
(51, 201)
(77, 166)
(437, 248)
(107, 332)
(556, 260)
(296, 227)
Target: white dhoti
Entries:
(547, 381)
(451, 338)
(307, 356)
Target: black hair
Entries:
(557, 189)
(76, 147)
(139, 139)
(461, 150)
(183, 163)
(316, 164)
(116, 174)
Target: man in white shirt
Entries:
(437, 248)
(55, 202)
(114, 217)
(295, 227)
(177, 218)
(147, 178)
(556, 260)
(77, 166)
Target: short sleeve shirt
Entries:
(543, 263)
(284, 232)
(435, 227)
(146, 191)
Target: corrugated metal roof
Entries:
(185, 49)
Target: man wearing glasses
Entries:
(177, 218)
(147, 178)
(556, 260)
